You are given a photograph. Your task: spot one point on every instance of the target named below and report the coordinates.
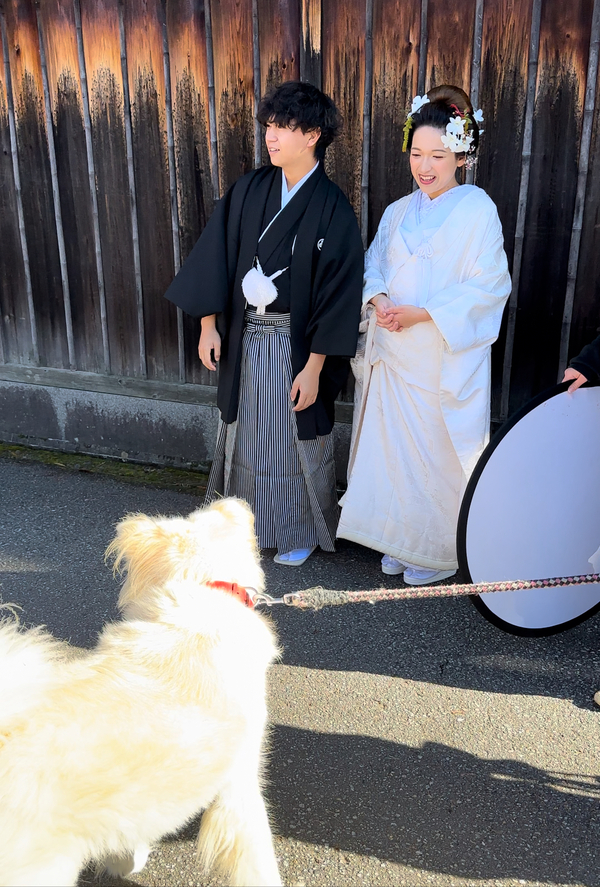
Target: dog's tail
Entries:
(216, 841)
(27, 667)
(237, 843)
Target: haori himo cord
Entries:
(436, 282)
(276, 277)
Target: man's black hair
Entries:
(296, 104)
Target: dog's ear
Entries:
(136, 535)
(138, 550)
(236, 510)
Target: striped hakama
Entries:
(288, 483)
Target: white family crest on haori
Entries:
(259, 290)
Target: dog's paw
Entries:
(128, 863)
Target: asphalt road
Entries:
(412, 743)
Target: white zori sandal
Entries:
(294, 558)
(419, 576)
(391, 566)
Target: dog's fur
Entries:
(103, 754)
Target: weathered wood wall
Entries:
(121, 122)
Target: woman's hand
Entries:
(306, 383)
(406, 316)
(397, 317)
(576, 377)
(209, 345)
(382, 307)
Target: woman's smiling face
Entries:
(433, 166)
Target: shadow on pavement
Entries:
(441, 641)
(435, 808)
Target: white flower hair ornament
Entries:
(459, 130)
(458, 138)
(459, 135)
(417, 104)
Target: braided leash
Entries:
(316, 598)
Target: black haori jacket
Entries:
(317, 236)
(587, 361)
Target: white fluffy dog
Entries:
(101, 754)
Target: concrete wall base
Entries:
(137, 429)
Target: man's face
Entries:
(288, 147)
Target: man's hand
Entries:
(577, 377)
(306, 384)
(209, 345)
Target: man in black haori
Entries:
(276, 277)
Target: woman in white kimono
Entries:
(436, 281)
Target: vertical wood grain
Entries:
(186, 26)
(131, 181)
(256, 85)
(144, 49)
(279, 52)
(585, 322)
(476, 57)
(234, 87)
(509, 50)
(172, 171)
(39, 232)
(212, 103)
(580, 196)
(367, 114)
(68, 117)
(101, 56)
(60, 236)
(343, 80)
(91, 171)
(279, 34)
(450, 25)
(396, 40)
(16, 303)
(423, 35)
(311, 36)
(563, 60)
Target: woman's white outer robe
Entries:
(422, 413)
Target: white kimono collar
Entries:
(443, 238)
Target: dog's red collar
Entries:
(236, 590)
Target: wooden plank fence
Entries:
(121, 122)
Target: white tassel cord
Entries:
(259, 290)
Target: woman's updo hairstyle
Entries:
(445, 102)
